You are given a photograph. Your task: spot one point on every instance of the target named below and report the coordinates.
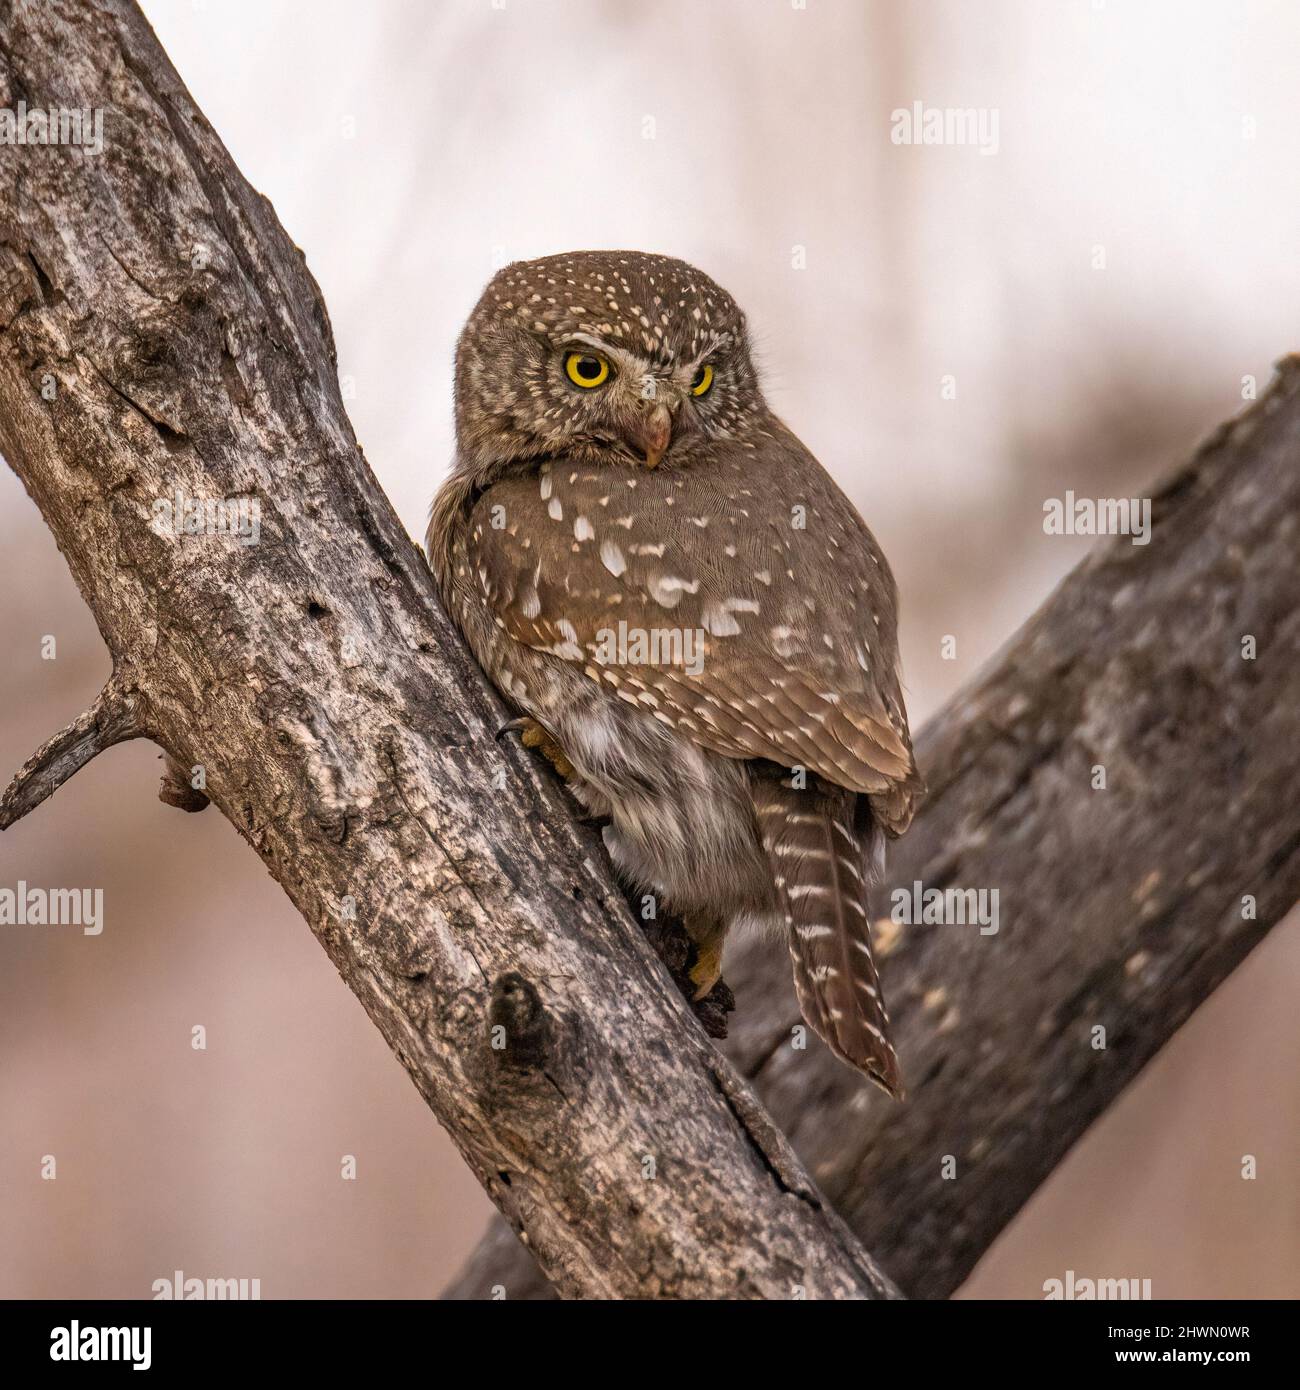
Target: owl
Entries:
(690, 617)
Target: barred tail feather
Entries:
(818, 842)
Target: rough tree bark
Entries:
(159, 334)
(1121, 908)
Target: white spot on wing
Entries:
(667, 589)
(612, 558)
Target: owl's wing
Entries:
(741, 601)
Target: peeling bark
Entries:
(160, 334)
(1121, 908)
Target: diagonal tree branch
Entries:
(1174, 668)
(161, 341)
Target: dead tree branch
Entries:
(161, 338)
(1120, 908)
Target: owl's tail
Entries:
(821, 842)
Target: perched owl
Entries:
(693, 620)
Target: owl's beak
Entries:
(652, 434)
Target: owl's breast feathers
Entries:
(740, 600)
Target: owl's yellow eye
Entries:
(703, 380)
(586, 369)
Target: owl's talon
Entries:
(706, 971)
(534, 735)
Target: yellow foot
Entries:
(707, 968)
(535, 736)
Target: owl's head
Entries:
(601, 357)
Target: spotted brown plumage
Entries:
(667, 581)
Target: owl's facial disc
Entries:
(641, 404)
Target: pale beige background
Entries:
(409, 147)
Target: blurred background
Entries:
(957, 335)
